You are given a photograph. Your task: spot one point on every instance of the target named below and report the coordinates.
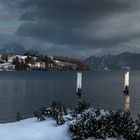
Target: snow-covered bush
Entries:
(81, 106)
(56, 111)
(106, 125)
(85, 122)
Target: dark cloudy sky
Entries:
(76, 28)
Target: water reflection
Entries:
(127, 103)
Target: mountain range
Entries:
(114, 62)
(11, 49)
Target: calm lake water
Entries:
(25, 92)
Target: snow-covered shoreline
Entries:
(32, 129)
(59, 123)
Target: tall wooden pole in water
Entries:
(126, 83)
(79, 85)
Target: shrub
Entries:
(56, 111)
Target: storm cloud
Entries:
(79, 27)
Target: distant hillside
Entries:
(114, 62)
(11, 49)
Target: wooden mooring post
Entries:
(126, 83)
(79, 86)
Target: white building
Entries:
(38, 65)
(65, 64)
(7, 66)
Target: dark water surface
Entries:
(25, 92)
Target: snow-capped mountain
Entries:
(114, 62)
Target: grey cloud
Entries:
(55, 21)
(73, 9)
(67, 36)
(79, 25)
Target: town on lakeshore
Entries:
(30, 61)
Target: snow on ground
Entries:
(105, 139)
(32, 129)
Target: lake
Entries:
(25, 92)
